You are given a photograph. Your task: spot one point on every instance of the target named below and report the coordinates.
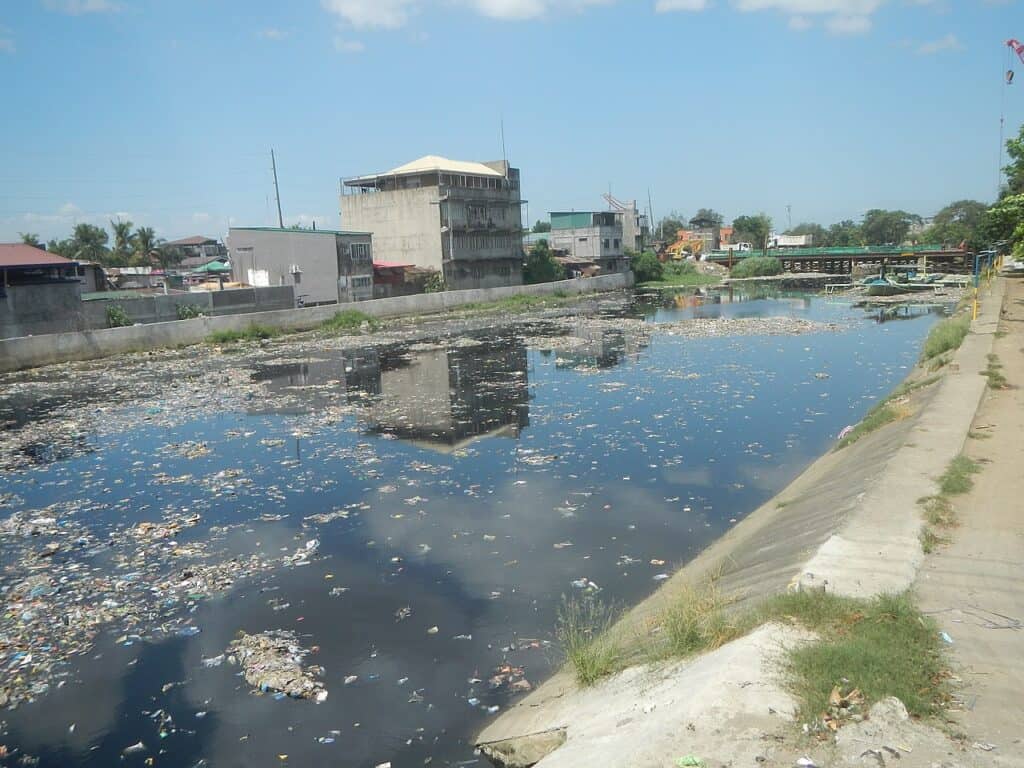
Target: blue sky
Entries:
(164, 112)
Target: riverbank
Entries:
(33, 351)
(849, 525)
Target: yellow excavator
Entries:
(687, 244)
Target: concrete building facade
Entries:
(323, 266)
(462, 219)
(592, 236)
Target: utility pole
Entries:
(277, 191)
(789, 215)
(650, 208)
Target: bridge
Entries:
(840, 261)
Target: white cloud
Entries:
(531, 9)
(69, 210)
(848, 25)
(79, 7)
(387, 14)
(667, 6)
(272, 33)
(800, 23)
(348, 46)
(947, 43)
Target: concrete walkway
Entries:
(975, 586)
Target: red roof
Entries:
(21, 255)
(391, 265)
(195, 240)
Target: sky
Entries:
(164, 112)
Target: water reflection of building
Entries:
(599, 346)
(446, 398)
(441, 398)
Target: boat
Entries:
(881, 286)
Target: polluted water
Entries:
(350, 549)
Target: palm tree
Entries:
(146, 242)
(31, 238)
(123, 241)
(89, 243)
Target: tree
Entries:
(31, 238)
(124, 244)
(669, 226)
(706, 218)
(882, 227)
(542, 226)
(819, 235)
(146, 242)
(752, 229)
(60, 247)
(1004, 222)
(647, 268)
(89, 243)
(1015, 170)
(541, 266)
(958, 222)
(843, 234)
(166, 256)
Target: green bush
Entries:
(679, 268)
(541, 266)
(947, 335)
(188, 311)
(117, 317)
(435, 284)
(647, 268)
(252, 333)
(350, 320)
(757, 266)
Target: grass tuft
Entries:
(883, 647)
(582, 632)
(993, 372)
(957, 477)
(938, 511)
(946, 336)
(697, 622)
(252, 333)
(350, 320)
(877, 417)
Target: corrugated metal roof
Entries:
(298, 231)
(21, 255)
(194, 240)
(392, 265)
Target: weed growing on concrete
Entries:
(252, 333)
(582, 632)
(930, 540)
(938, 511)
(883, 647)
(350, 320)
(975, 435)
(957, 477)
(994, 374)
(946, 336)
(696, 621)
(877, 417)
(117, 317)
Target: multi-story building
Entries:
(461, 219)
(197, 251)
(324, 266)
(592, 236)
(635, 226)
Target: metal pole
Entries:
(277, 191)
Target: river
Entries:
(457, 488)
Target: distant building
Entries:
(462, 219)
(40, 292)
(636, 228)
(324, 266)
(197, 251)
(594, 236)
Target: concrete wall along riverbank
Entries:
(32, 351)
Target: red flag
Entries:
(1018, 47)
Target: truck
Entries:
(790, 241)
(737, 247)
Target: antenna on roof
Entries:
(504, 154)
(277, 192)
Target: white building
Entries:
(462, 219)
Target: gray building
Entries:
(323, 266)
(460, 218)
(591, 236)
(636, 229)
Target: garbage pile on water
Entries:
(705, 327)
(63, 583)
(272, 662)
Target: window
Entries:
(583, 239)
(617, 243)
(361, 282)
(607, 243)
(360, 252)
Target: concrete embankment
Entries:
(849, 524)
(33, 351)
